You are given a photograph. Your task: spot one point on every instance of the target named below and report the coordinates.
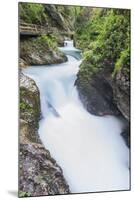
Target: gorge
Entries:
(79, 141)
(74, 100)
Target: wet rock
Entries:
(39, 174)
(126, 135)
(24, 131)
(22, 63)
(36, 52)
(121, 89)
(29, 104)
(55, 16)
(103, 94)
(97, 96)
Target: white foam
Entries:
(88, 148)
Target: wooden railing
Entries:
(33, 29)
(26, 28)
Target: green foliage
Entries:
(123, 61)
(89, 24)
(105, 38)
(49, 41)
(38, 14)
(114, 37)
(31, 13)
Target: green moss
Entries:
(25, 105)
(37, 46)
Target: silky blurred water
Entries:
(88, 148)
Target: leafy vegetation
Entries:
(102, 33)
(31, 13)
(123, 61)
(104, 38)
(41, 47)
(60, 18)
(52, 15)
(47, 40)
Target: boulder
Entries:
(104, 94)
(36, 51)
(39, 174)
(97, 95)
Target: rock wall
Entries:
(97, 95)
(39, 174)
(121, 90)
(103, 80)
(39, 51)
(42, 49)
(103, 94)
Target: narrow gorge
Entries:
(74, 100)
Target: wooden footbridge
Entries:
(27, 29)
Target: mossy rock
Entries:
(41, 51)
(29, 101)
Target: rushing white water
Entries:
(69, 44)
(88, 148)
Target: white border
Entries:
(9, 98)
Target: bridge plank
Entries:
(33, 29)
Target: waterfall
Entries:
(69, 49)
(69, 43)
(88, 148)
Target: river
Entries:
(88, 148)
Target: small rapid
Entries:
(89, 149)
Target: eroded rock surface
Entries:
(121, 90)
(37, 51)
(103, 94)
(39, 174)
(97, 95)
